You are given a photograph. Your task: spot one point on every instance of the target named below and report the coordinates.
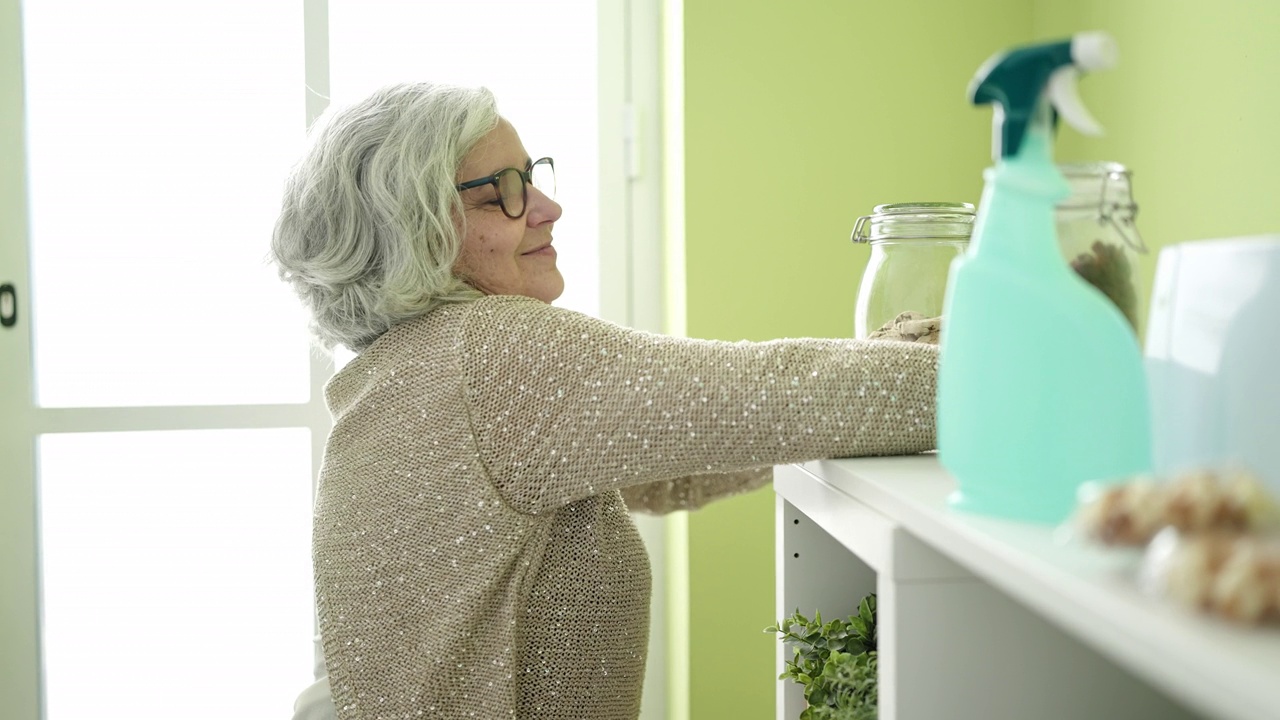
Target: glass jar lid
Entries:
(915, 221)
(1103, 191)
(1097, 185)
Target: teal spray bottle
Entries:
(1041, 383)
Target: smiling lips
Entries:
(545, 250)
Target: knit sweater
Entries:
(474, 555)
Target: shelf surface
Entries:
(1221, 669)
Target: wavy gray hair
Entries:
(371, 223)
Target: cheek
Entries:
(482, 238)
(484, 255)
(489, 247)
(475, 245)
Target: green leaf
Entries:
(835, 662)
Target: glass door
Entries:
(161, 402)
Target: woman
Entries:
(473, 551)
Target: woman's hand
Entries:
(911, 327)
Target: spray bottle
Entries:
(1041, 382)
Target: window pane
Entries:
(539, 59)
(159, 135)
(176, 574)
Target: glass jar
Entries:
(1098, 237)
(912, 246)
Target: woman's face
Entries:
(501, 255)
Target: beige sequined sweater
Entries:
(474, 555)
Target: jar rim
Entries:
(1093, 169)
(915, 221)
(924, 208)
(1105, 187)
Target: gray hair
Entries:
(369, 229)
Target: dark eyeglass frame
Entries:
(526, 177)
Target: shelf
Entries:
(875, 507)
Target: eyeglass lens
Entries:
(544, 177)
(512, 192)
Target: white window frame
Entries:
(631, 231)
(19, 660)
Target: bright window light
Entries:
(159, 136)
(176, 573)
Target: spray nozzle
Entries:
(1020, 81)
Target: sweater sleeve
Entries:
(693, 491)
(564, 406)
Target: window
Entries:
(166, 419)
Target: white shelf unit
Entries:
(987, 618)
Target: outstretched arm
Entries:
(565, 406)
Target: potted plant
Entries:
(834, 661)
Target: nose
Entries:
(542, 209)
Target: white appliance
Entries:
(1213, 356)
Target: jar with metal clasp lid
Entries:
(912, 246)
(1098, 236)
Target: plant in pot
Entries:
(834, 661)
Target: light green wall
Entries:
(799, 117)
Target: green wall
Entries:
(801, 116)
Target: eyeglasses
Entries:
(512, 185)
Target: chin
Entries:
(550, 290)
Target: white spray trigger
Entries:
(1065, 97)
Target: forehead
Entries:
(499, 149)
